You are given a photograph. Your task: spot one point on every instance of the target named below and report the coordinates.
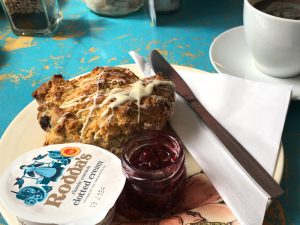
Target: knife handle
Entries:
(243, 157)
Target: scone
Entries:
(104, 107)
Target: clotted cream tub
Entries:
(65, 184)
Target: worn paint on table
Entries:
(12, 44)
(17, 77)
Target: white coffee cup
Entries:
(273, 41)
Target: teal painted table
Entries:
(86, 40)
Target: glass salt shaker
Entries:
(32, 17)
(114, 8)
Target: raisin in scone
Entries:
(104, 107)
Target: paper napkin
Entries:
(254, 113)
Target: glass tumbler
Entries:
(32, 17)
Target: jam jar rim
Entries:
(180, 158)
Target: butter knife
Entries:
(242, 156)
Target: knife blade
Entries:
(242, 156)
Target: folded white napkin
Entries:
(254, 113)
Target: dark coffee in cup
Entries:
(289, 9)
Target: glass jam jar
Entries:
(153, 164)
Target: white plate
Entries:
(229, 54)
(24, 134)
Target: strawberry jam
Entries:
(153, 164)
(153, 157)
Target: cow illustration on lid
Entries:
(44, 169)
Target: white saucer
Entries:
(229, 54)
